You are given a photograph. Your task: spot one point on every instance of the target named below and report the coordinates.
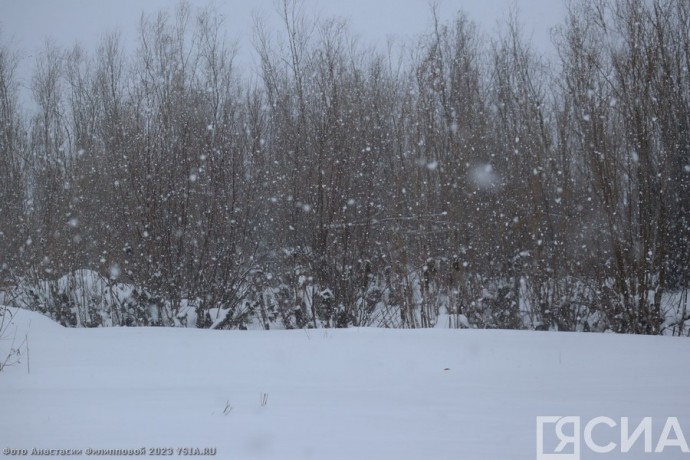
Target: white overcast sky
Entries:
(26, 24)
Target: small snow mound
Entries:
(443, 321)
(20, 321)
(218, 315)
(446, 321)
(16, 324)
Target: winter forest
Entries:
(462, 180)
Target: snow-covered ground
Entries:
(331, 394)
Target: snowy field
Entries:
(331, 394)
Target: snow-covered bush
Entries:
(264, 300)
(82, 298)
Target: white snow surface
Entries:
(329, 394)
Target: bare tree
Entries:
(13, 225)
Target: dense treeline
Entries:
(461, 180)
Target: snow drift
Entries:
(329, 394)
